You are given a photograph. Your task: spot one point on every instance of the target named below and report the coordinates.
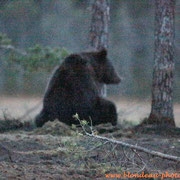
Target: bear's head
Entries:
(77, 64)
(103, 68)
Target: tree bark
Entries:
(98, 35)
(162, 86)
(99, 25)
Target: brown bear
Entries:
(73, 89)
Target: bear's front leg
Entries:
(105, 112)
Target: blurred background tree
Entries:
(57, 24)
(99, 31)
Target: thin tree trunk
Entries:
(98, 35)
(99, 24)
(162, 87)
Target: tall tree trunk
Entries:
(162, 87)
(98, 35)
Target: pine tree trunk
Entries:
(99, 24)
(162, 87)
(98, 35)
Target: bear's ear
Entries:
(102, 53)
(75, 59)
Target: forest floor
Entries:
(57, 151)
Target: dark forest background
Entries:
(50, 29)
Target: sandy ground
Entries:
(130, 110)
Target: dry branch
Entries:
(136, 147)
(7, 151)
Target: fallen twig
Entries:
(136, 147)
(2, 148)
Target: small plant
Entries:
(4, 40)
(38, 58)
(85, 125)
(33, 59)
